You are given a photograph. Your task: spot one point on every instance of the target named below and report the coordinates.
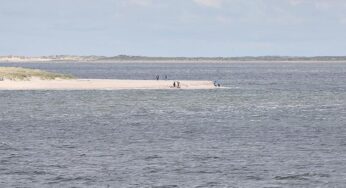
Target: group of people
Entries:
(158, 77)
(176, 84)
(216, 84)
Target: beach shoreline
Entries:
(101, 84)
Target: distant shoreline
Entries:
(176, 62)
(144, 59)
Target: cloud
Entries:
(319, 4)
(209, 3)
(295, 2)
(141, 2)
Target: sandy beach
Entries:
(101, 84)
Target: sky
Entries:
(190, 28)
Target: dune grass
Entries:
(17, 73)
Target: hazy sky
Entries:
(173, 27)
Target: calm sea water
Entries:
(276, 125)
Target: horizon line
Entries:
(123, 55)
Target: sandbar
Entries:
(101, 84)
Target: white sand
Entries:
(100, 84)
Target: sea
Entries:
(271, 125)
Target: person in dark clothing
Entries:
(157, 77)
(166, 77)
(173, 84)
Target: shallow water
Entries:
(277, 125)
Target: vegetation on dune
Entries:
(16, 73)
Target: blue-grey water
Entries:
(276, 125)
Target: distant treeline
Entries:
(145, 58)
(246, 58)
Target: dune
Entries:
(19, 74)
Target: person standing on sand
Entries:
(178, 84)
(173, 84)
